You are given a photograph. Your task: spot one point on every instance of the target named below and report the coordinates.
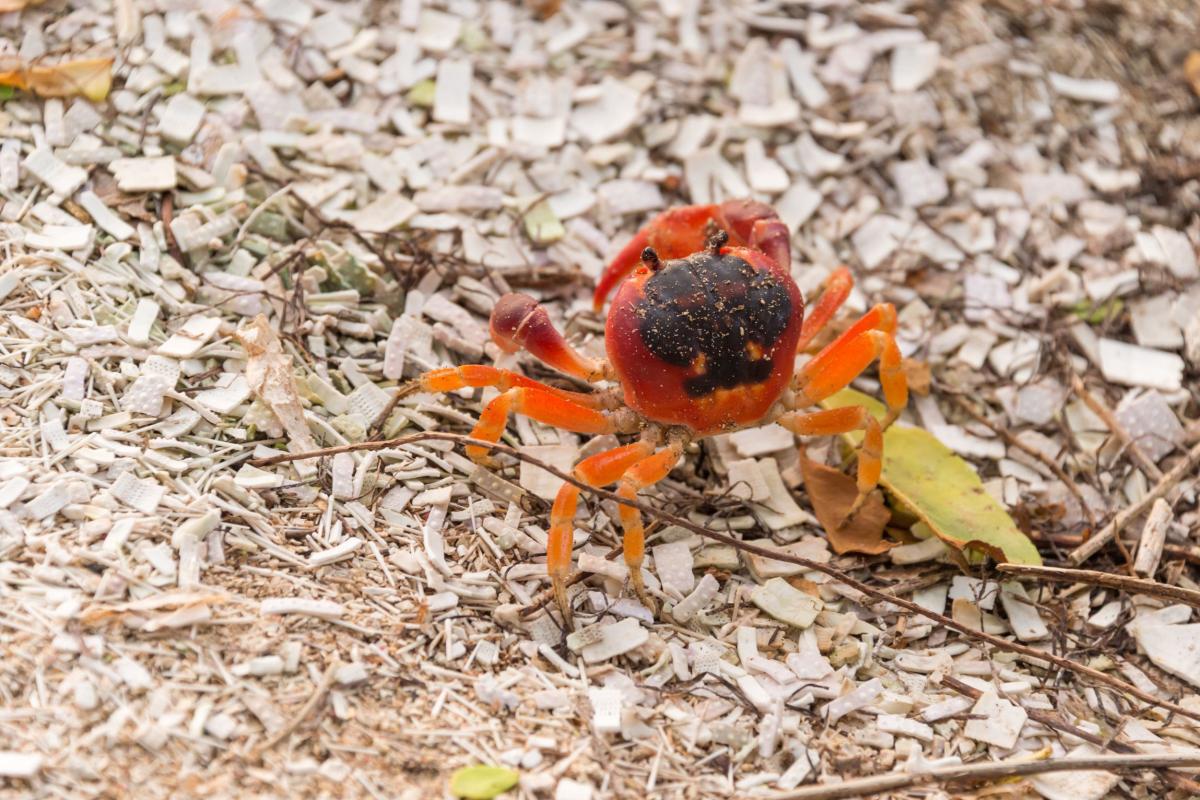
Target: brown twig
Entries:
(1011, 768)
(168, 214)
(1038, 715)
(1051, 464)
(1118, 430)
(1052, 720)
(402, 391)
(1188, 554)
(1106, 579)
(857, 585)
(309, 706)
(1164, 485)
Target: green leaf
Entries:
(1096, 314)
(421, 94)
(482, 783)
(941, 489)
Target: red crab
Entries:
(702, 338)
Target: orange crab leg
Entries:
(881, 317)
(818, 380)
(837, 289)
(598, 470)
(647, 472)
(450, 379)
(833, 369)
(536, 403)
(518, 321)
(841, 361)
(844, 420)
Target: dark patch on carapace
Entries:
(718, 307)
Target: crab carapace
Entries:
(701, 338)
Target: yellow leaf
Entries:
(944, 491)
(482, 782)
(90, 77)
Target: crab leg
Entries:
(837, 289)
(675, 233)
(841, 361)
(518, 321)
(647, 472)
(598, 470)
(450, 379)
(844, 420)
(537, 403)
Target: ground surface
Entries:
(1020, 178)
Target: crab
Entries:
(701, 338)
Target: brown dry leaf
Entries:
(1191, 68)
(804, 585)
(927, 479)
(832, 493)
(919, 376)
(17, 5)
(269, 373)
(544, 9)
(89, 77)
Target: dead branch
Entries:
(1118, 430)
(305, 711)
(1106, 579)
(1166, 484)
(869, 787)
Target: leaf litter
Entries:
(929, 482)
(832, 493)
(276, 214)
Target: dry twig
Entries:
(1106, 579)
(1053, 721)
(307, 709)
(1114, 425)
(1051, 464)
(868, 787)
(1168, 482)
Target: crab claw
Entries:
(518, 321)
(754, 224)
(680, 232)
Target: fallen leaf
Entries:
(17, 5)
(804, 585)
(89, 77)
(544, 9)
(941, 489)
(1191, 68)
(482, 782)
(269, 373)
(919, 376)
(831, 493)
